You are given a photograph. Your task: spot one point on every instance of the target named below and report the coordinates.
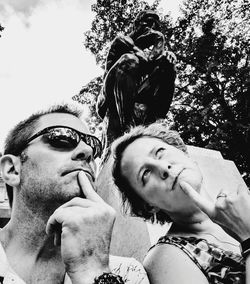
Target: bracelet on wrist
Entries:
(108, 278)
(245, 247)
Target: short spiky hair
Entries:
(18, 136)
(156, 130)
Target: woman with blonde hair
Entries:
(156, 176)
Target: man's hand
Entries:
(86, 228)
(230, 210)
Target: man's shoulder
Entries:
(6, 273)
(3, 262)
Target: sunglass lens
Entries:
(94, 143)
(66, 138)
(62, 138)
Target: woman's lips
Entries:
(176, 178)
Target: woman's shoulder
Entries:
(197, 245)
(169, 264)
(208, 257)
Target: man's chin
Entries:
(72, 193)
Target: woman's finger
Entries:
(205, 205)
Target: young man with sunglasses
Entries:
(60, 229)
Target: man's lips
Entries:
(89, 175)
(176, 178)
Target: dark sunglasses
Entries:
(64, 137)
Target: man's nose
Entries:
(83, 152)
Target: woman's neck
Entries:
(195, 221)
(192, 218)
(198, 224)
(207, 230)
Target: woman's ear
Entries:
(155, 209)
(10, 166)
(151, 208)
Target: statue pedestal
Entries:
(132, 236)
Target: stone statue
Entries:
(137, 89)
(139, 77)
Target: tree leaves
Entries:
(211, 106)
(1, 29)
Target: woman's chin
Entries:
(195, 181)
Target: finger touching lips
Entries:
(87, 188)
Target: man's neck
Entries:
(30, 251)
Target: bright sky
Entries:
(42, 57)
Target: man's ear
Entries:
(10, 167)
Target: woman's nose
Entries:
(164, 170)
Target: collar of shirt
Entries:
(7, 275)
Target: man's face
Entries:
(49, 174)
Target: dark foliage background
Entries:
(211, 106)
(1, 29)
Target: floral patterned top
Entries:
(218, 265)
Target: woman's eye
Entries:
(159, 152)
(145, 176)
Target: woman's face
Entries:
(155, 169)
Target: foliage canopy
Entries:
(211, 106)
(1, 29)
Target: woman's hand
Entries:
(230, 210)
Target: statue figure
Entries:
(137, 89)
(139, 77)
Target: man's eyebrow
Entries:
(150, 153)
